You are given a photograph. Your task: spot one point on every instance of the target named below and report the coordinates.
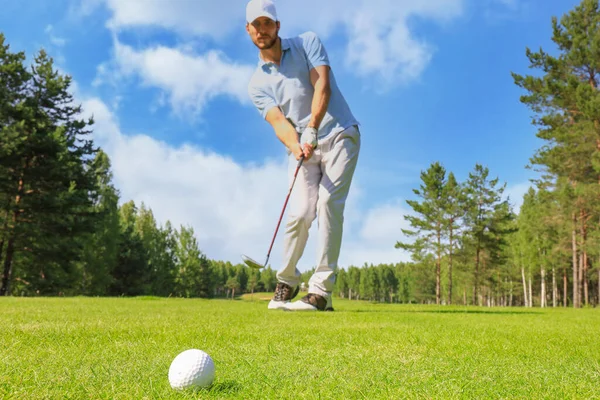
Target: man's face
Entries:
(263, 31)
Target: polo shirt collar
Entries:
(285, 45)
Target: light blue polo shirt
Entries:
(288, 86)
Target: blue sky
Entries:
(166, 82)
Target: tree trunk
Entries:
(584, 261)
(4, 229)
(438, 271)
(580, 280)
(1, 252)
(525, 298)
(586, 297)
(575, 263)
(450, 265)
(10, 249)
(554, 288)
(543, 288)
(7, 271)
(530, 291)
(565, 289)
(476, 287)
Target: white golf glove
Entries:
(309, 136)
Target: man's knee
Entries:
(304, 216)
(333, 202)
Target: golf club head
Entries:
(252, 263)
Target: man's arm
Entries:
(285, 131)
(319, 77)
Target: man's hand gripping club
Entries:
(287, 134)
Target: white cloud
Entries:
(510, 4)
(381, 229)
(381, 44)
(188, 80)
(55, 40)
(233, 208)
(499, 11)
(385, 223)
(212, 18)
(83, 8)
(506, 5)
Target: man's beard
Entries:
(266, 45)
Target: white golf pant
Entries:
(321, 189)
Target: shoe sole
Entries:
(281, 306)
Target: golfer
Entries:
(294, 89)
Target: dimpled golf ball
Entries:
(191, 369)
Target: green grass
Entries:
(86, 348)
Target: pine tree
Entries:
(233, 284)
(268, 279)
(102, 249)
(130, 274)
(354, 277)
(159, 244)
(430, 219)
(486, 222)
(193, 277)
(45, 176)
(566, 102)
(454, 211)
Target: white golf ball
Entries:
(190, 369)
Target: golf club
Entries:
(249, 261)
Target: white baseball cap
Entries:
(260, 8)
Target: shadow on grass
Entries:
(480, 312)
(221, 388)
(225, 387)
(504, 312)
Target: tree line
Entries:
(63, 232)
(552, 247)
(548, 254)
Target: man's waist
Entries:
(328, 127)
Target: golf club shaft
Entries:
(284, 206)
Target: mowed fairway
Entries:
(87, 348)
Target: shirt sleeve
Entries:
(261, 100)
(315, 51)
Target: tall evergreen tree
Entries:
(102, 249)
(130, 274)
(485, 224)
(454, 201)
(429, 220)
(193, 277)
(45, 175)
(566, 102)
(159, 244)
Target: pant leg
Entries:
(302, 211)
(339, 159)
